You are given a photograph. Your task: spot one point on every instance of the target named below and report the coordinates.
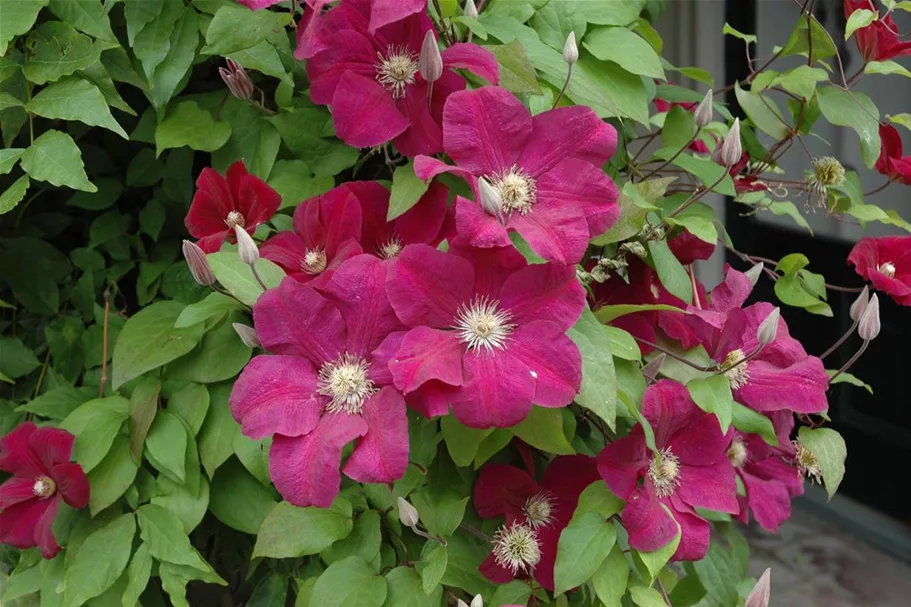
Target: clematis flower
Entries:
(689, 470)
(532, 511)
(891, 163)
(880, 40)
(782, 376)
(326, 230)
(224, 201)
(39, 460)
(326, 384)
(886, 262)
(488, 333)
(370, 79)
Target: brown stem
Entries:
(850, 362)
(475, 532)
(672, 355)
(840, 341)
(569, 73)
(879, 189)
(667, 599)
(676, 154)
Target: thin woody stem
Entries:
(850, 362)
(840, 341)
(259, 279)
(672, 355)
(569, 73)
(676, 154)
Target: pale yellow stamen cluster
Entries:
(235, 219)
(481, 324)
(517, 190)
(539, 509)
(314, 261)
(516, 548)
(345, 381)
(44, 487)
(735, 370)
(737, 453)
(396, 70)
(664, 472)
(391, 249)
(887, 269)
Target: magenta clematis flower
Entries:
(326, 384)
(886, 262)
(690, 470)
(782, 376)
(488, 333)
(421, 224)
(224, 201)
(326, 230)
(536, 515)
(39, 460)
(546, 170)
(370, 79)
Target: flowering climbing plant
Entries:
(393, 302)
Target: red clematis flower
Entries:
(536, 514)
(39, 460)
(690, 470)
(886, 262)
(891, 163)
(224, 201)
(424, 223)
(878, 41)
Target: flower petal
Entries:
(19, 521)
(211, 204)
(72, 484)
(364, 113)
(381, 456)
(253, 197)
(427, 167)
(498, 390)
(492, 266)
(350, 52)
(567, 132)
(44, 534)
(694, 533)
(380, 358)
(427, 286)
(424, 134)
(698, 443)
(650, 526)
(621, 462)
(433, 398)
(384, 12)
(548, 541)
(669, 409)
(16, 453)
(566, 477)
(544, 292)
(476, 59)
(494, 572)
(477, 228)
(53, 445)
(556, 232)
(500, 490)
(580, 185)
(732, 292)
(552, 359)
(711, 487)
(768, 500)
(427, 354)
(422, 223)
(800, 387)
(16, 490)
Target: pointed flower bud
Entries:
(430, 64)
(199, 267)
(754, 273)
(247, 335)
(246, 248)
(705, 111)
(461, 603)
(237, 80)
(860, 304)
(471, 10)
(477, 601)
(731, 149)
(869, 325)
(651, 369)
(570, 50)
(491, 201)
(759, 596)
(408, 514)
(768, 328)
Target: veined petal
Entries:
(650, 526)
(501, 490)
(364, 113)
(427, 354)
(621, 462)
(476, 59)
(800, 387)
(427, 286)
(556, 232)
(712, 487)
(498, 390)
(350, 52)
(580, 185)
(477, 228)
(72, 484)
(544, 292)
(567, 132)
(552, 359)
(381, 455)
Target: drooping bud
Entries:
(477, 601)
(860, 304)
(470, 9)
(705, 111)
(199, 267)
(768, 328)
(731, 149)
(754, 273)
(651, 369)
(759, 596)
(246, 248)
(430, 64)
(869, 325)
(491, 201)
(237, 80)
(570, 50)
(247, 335)
(408, 514)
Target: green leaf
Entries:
(818, 41)
(302, 131)
(54, 404)
(8, 101)
(138, 572)
(143, 407)
(189, 125)
(153, 41)
(583, 546)
(138, 13)
(238, 500)
(707, 170)
(679, 128)
(517, 74)
(405, 590)
(216, 436)
(167, 541)
(853, 109)
(653, 562)
(86, 16)
(830, 450)
(177, 63)
(442, 509)
(432, 568)
(295, 183)
(730, 31)
(95, 425)
(751, 422)
(713, 395)
(234, 28)
(626, 49)
(9, 157)
(237, 277)
(543, 429)
(18, 18)
(848, 378)
(14, 194)
(315, 529)
(475, 26)
(763, 112)
(802, 80)
(461, 441)
(254, 455)
(174, 580)
(166, 445)
(149, 340)
(670, 271)
(221, 355)
(407, 189)
(190, 499)
(349, 583)
(720, 574)
(112, 476)
(606, 314)
(859, 19)
(59, 50)
(253, 140)
(598, 498)
(100, 560)
(886, 68)
(55, 158)
(598, 392)
(364, 540)
(646, 597)
(18, 359)
(263, 57)
(903, 119)
(788, 208)
(611, 578)
(214, 307)
(791, 291)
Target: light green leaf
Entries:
(220, 356)
(238, 500)
(95, 425)
(818, 41)
(302, 131)
(87, 16)
(672, 274)
(263, 57)
(405, 590)
(174, 580)
(189, 125)
(349, 583)
(583, 546)
(167, 541)
(100, 560)
(707, 170)
(55, 158)
(14, 194)
(153, 41)
(719, 573)
(461, 441)
(166, 445)
(18, 18)
(606, 314)
(441, 508)
(646, 597)
(8, 159)
(433, 568)
(216, 436)
(730, 31)
(543, 429)
(780, 208)
(295, 183)
(903, 119)
(859, 19)
(802, 80)
(407, 189)
(626, 49)
(254, 455)
(364, 540)
(830, 450)
(174, 67)
(598, 498)
(853, 109)
(475, 26)
(679, 128)
(762, 112)
(8, 101)
(138, 13)
(886, 68)
(234, 28)
(848, 378)
(59, 50)
(214, 306)
(138, 572)
(112, 476)
(611, 577)
(75, 99)
(713, 395)
(315, 529)
(749, 421)
(190, 403)
(237, 277)
(598, 392)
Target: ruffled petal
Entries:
(498, 390)
(384, 12)
(768, 500)
(210, 206)
(732, 292)
(553, 360)
(427, 354)
(544, 292)
(427, 167)
(433, 398)
(364, 113)
(72, 484)
(254, 198)
(476, 59)
(567, 132)
(695, 533)
(669, 409)
(650, 526)
(350, 52)
(381, 456)
(427, 286)
(380, 358)
(500, 490)
(622, 461)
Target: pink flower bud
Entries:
(860, 304)
(754, 273)
(869, 326)
(247, 335)
(570, 50)
(430, 65)
(246, 248)
(759, 596)
(470, 9)
(408, 514)
(768, 328)
(199, 267)
(237, 80)
(731, 149)
(704, 111)
(491, 201)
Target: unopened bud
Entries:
(237, 80)
(470, 9)
(754, 273)
(247, 335)
(477, 601)
(491, 201)
(759, 596)
(246, 248)
(705, 111)
(430, 64)
(768, 328)
(651, 369)
(199, 267)
(860, 304)
(570, 50)
(461, 603)
(635, 248)
(408, 514)
(731, 150)
(869, 325)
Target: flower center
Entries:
(664, 471)
(235, 219)
(807, 463)
(539, 509)
(517, 190)
(345, 382)
(314, 261)
(737, 453)
(391, 248)
(516, 548)
(44, 487)
(887, 269)
(735, 370)
(828, 171)
(396, 70)
(481, 325)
